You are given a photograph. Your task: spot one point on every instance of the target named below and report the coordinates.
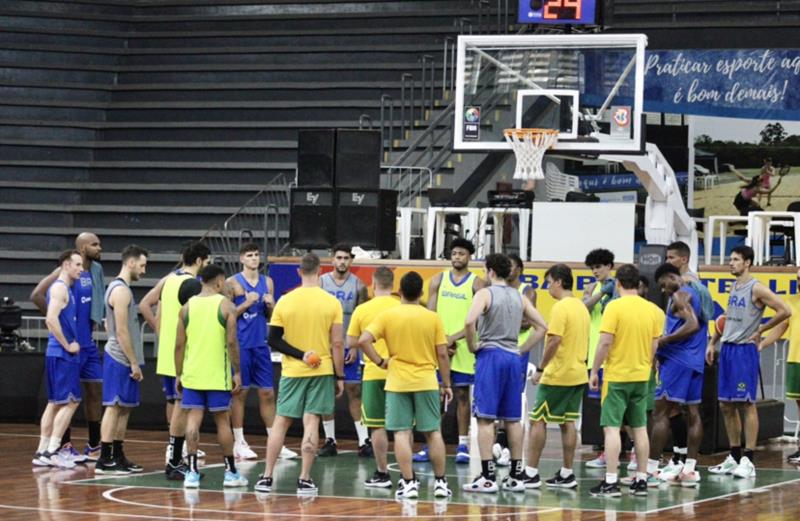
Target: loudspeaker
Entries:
(313, 218)
(367, 218)
(358, 159)
(651, 256)
(316, 152)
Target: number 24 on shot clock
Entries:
(557, 12)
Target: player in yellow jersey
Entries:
(207, 370)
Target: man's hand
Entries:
(237, 383)
(350, 356)
(594, 381)
(251, 298)
(136, 373)
(309, 364)
(73, 347)
(536, 378)
(339, 388)
(755, 338)
(446, 394)
(710, 354)
(269, 300)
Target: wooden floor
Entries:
(48, 494)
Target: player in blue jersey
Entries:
(253, 295)
(88, 291)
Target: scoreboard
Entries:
(557, 12)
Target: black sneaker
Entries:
(128, 464)
(329, 449)
(379, 480)
(306, 486)
(794, 458)
(365, 451)
(110, 466)
(532, 482)
(639, 487)
(264, 484)
(559, 482)
(606, 490)
(176, 472)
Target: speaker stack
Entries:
(338, 196)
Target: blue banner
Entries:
(740, 83)
(617, 182)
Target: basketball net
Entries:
(529, 146)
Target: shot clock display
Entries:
(557, 12)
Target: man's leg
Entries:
(733, 427)
(222, 419)
(569, 441)
(194, 418)
(93, 409)
(310, 444)
(177, 433)
(275, 441)
(61, 420)
(641, 444)
(380, 446)
(613, 445)
(266, 406)
(108, 430)
(463, 413)
(694, 431)
(750, 428)
(402, 453)
(353, 392)
(661, 416)
(537, 441)
(437, 451)
(46, 425)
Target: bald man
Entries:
(88, 291)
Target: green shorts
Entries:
(307, 395)
(651, 391)
(793, 380)
(373, 403)
(405, 411)
(558, 404)
(624, 401)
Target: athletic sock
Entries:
(54, 446)
(43, 444)
(487, 469)
(641, 476)
(677, 425)
(362, 432)
(238, 434)
(268, 429)
(689, 465)
(611, 478)
(67, 437)
(463, 440)
(94, 434)
(119, 454)
(106, 452)
(502, 438)
(192, 461)
(176, 442)
(748, 453)
(565, 472)
(531, 471)
(329, 426)
(736, 452)
(516, 468)
(679, 454)
(230, 464)
(652, 465)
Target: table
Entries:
(406, 215)
(723, 221)
(498, 214)
(758, 224)
(435, 226)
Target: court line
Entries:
(113, 514)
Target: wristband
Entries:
(339, 378)
(383, 361)
(446, 387)
(539, 370)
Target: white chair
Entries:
(559, 184)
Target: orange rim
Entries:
(522, 132)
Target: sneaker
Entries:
(670, 472)
(407, 489)
(505, 458)
(128, 464)
(38, 461)
(306, 486)
(57, 459)
(598, 463)
(746, 469)
(379, 480)
(176, 473)
(532, 482)
(264, 484)
(422, 456)
(632, 465)
(726, 467)
(794, 458)
(329, 449)
(559, 482)
(110, 467)
(639, 487)
(462, 454)
(191, 480)
(606, 490)
(654, 480)
(241, 450)
(69, 450)
(481, 484)
(234, 479)
(512, 484)
(287, 454)
(497, 449)
(688, 479)
(440, 489)
(365, 450)
(91, 453)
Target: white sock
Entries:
(268, 429)
(611, 478)
(238, 435)
(565, 472)
(531, 471)
(463, 440)
(641, 476)
(652, 465)
(362, 432)
(680, 450)
(329, 427)
(43, 443)
(689, 465)
(54, 445)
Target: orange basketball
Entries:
(720, 324)
(314, 360)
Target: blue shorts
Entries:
(255, 366)
(458, 379)
(91, 365)
(679, 384)
(497, 385)
(738, 373)
(63, 379)
(352, 372)
(118, 386)
(168, 386)
(595, 394)
(214, 401)
(524, 359)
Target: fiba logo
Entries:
(312, 197)
(357, 198)
(622, 116)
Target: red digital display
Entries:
(557, 11)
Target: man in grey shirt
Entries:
(122, 363)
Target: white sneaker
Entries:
(287, 454)
(481, 484)
(440, 489)
(726, 467)
(407, 489)
(505, 458)
(688, 479)
(598, 463)
(496, 450)
(632, 465)
(241, 450)
(746, 469)
(57, 459)
(513, 484)
(670, 472)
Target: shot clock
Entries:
(557, 12)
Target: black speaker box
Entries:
(367, 218)
(316, 158)
(313, 218)
(358, 159)
(651, 256)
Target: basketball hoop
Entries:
(529, 146)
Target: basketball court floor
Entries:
(51, 494)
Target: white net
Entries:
(529, 146)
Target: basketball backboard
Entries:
(589, 87)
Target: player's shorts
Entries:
(354, 371)
(497, 385)
(524, 359)
(170, 391)
(595, 394)
(679, 384)
(558, 404)
(118, 386)
(738, 373)
(624, 402)
(373, 403)
(417, 409)
(651, 391)
(63, 379)
(793, 381)
(255, 367)
(214, 401)
(458, 379)
(91, 364)
(306, 395)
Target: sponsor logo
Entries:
(357, 198)
(312, 197)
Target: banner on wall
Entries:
(740, 83)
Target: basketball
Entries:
(314, 360)
(719, 323)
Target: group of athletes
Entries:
(401, 363)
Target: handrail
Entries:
(403, 82)
(387, 99)
(362, 119)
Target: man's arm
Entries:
(590, 300)
(279, 344)
(236, 290)
(550, 348)
(58, 301)
(269, 298)
(120, 299)
(682, 308)
(367, 344)
(480, 302)
(603, 346)
(478, 284)
(537, 322)
(39, 293)
(337, 349)
(232, 341)
(433, 291)
(767, 298)
(530, 295)
(180, 344)
(774, 334)
(362, 293)
(149, 302)
(444, 367)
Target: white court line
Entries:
(109, 495)
(104, 514)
